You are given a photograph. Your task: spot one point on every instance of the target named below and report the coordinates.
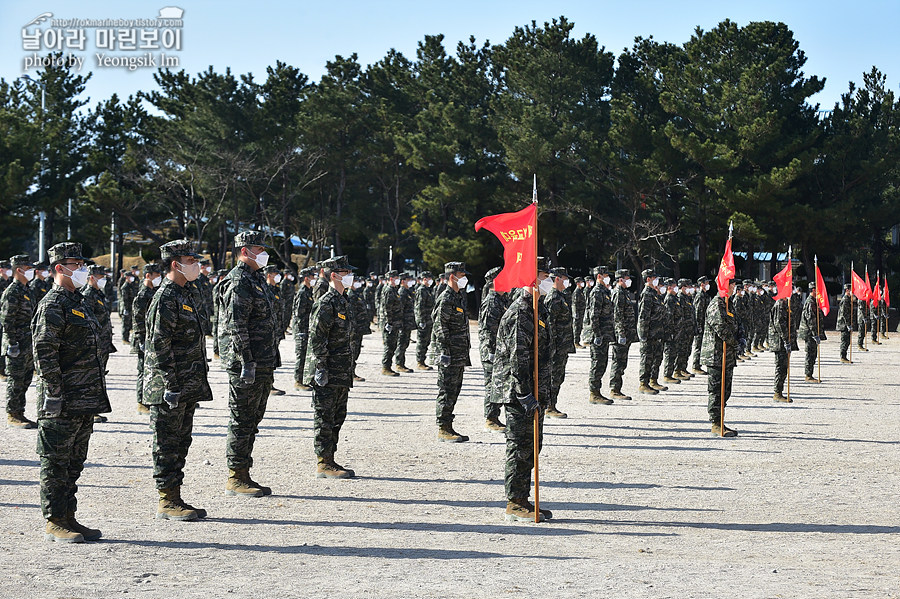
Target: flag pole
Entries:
(535, 297)
(869, 312)
(852, 298)
(790, 329)
(877, 306)
(818, 324)
(724, 351)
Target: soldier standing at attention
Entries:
(273, 281)
(782, 341)
(688, 328)
(150, 283)
(862, 323)
(625, 331)
(599, 332)
(513, 381)
(288, 289)
(176, 373)
(127, 290)
(320, 286)
(809, 332)
(94, 296)
(424, 322)
(38, 286)
(651, 331)
(71, 389)
(302, 308)
(845, 322)
(370, 292)
(329, 364)
(204, 300)
(16, 310)
(5, 281)
(407, 320)
(356, 298)
(390, 318)
(559, 315)
(579, 304)
(701, 302)
(451, 345)
(217, 300)
(673, 326)
(493, 305)
(720, 329)
(248, 340)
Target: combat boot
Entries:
(683, 375)
(201, 513)
(89, 534)
(781, 398)
(446, 434)
(494, 425)
(717, 431)
(578, 345)
(60, 531)
(327, 468)
(402, 368)
(274, 391)
(358, 379)
(389, 372)
(238, 484)
(519, 510)
(301, 386)
(671, 380)
(142, 409)
(646, 388)
(597, 398)
(99, 418)
(698, 370)
(812, 379)
(18, 420)
(553, 412)
(423, 366)
(655, 384)
(265, 490)
(845, 361)
(861, 348)
(617, 394)
(171, 507)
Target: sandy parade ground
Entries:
(646, 502)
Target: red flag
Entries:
(858, 286)
(784, 281)
(876, 295)
(822, 293)
(726, 270)
(887, 294)
(515, 230)
(868, 286)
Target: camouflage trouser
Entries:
(812, 351)
(761, 331)
(205, 322)
(62, 444)
(875, 327)
(2, 356)
(139, 385)
(423, 338)
(861, 338)
(491, 409)
(671, 354)
(577, 325)
(657, 359)
(651, 356)
(698, 345)
(714, 390)
(558, 374)
(215, 335)
(247, 405)
(402, 344)
(171, 441)
(356, 340)
(599, 361)
(20, 371)
(390, 346)
(301, 340)
(845, 343)
(884, 325)
(619, 362)
(520, 450)
(684, 351)
(449, 382)
(781, 367)
(126, 325)
(330, 411)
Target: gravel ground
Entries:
(646, 502)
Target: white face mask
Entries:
(277, 279)
(369, 283)
(606, 280)
(462, 282)
(545, 286)
(101, 284)
(706, 287)
(28, 274)
(656, 282)
(290, 277)
(214, 279)
(261, 258)
(411, 283)
(129, 278)
(357, 284)
(395, 282)
(347, 280)
(189, 271)
(78, 277)
(566, 283)
(45, 273)
(627, 283)
(156, 281)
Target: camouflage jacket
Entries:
(579, 301)
(390, 312)
(489, 314)
(247, 320)
(779, 331)
(278, 306)
(38, 289)
(672, 307)
(424, 306)
(688, 323)
(204, 301)
(67, 353)
(16, 310)
(743, 310)
(450, 335)
(371, 292)
(127, 291)
(559, 319)
(139, 308)
(330, 328)
(408, 308)
(302, 308)
(624, 319)
(97, 300)
(513, 374)
(175, 347)
(319, 289)
(811, 319)
(845, 313)
(721, 327)
(701, 303)
(796, 312)
(651, 324)
(599, 320)
(357, 301)
(862, 315)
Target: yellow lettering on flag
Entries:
(186, 307)
(518, 257)
(77, 313)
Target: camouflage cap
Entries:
(246, 238)
(703, 279)
(847, 286)
(577, 279)
(205, 262)
(222, 272)
(668, 281)
(96, 270)
(405, 276)
(152, 267)
(492, 274)
(684, 282)
(425, 275)
(748, 282)
(271, 268)
(337, 263)
(599, 270)
(543, 264)
(308, 272)
(559, 271)
(452, 267)
(391, 274)
(179, 247)
(622, 273)
(4, 263)
(647, 273)
(812, 284)
(20, 260)
(63, 251)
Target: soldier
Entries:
(720, 329)
(176, 375)
(217, 300)
(493, 305)
(371, 289)
(875, 313)
(625, 330)
(203, 298)
(16, 310)
(424, 322)
(150, 283)
(71, 389)
(441, 286)
(288, 289)
(743, 315)
(329, 364)
(862, 323)
(513, 381)
(673, 327)
(451, 344)
(782, 341)
(688, 328)
(390, 319)
(796, 309)
(5, 280)
(93, 293)
(301, 309)
(559, 315)
(273, 284)
(356, 298)
(701, 303)
(810, 332)
(407, 320)
(651, 331)
(845, 322)
(599, 332)
(579, 304)
(248, 340)
(38, 286)
(320, 285)
(127, 290)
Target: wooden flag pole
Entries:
(722, 390)
(818, 324)
(790, 339)
(535, 297)
(852, 310)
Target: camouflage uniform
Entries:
(320, 288)
(701, 303)
(673, 327)
(811, 330)
(287, 288)
(765, 302)
(68, 362)
(16, 310)
(599, 332)
(127, 291)
(407, 320)
(302, 308)
(390, 319)
(559, 319)
(743, 312)
(5, 281)
(38, 287)
(721, 328)
(201, 294)
(247, 336)
(688, 328)
(175, 363)
(371, 289)
(845, 321)
(424, 323)
(579, 300)
(356, 298)
(863, 323)
(781, 336)
(624, 323)
(651, 331)
(139, 326)
(493, 305)
(217, 300)
(97, 300)
(450, 338)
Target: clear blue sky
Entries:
(840, 39)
